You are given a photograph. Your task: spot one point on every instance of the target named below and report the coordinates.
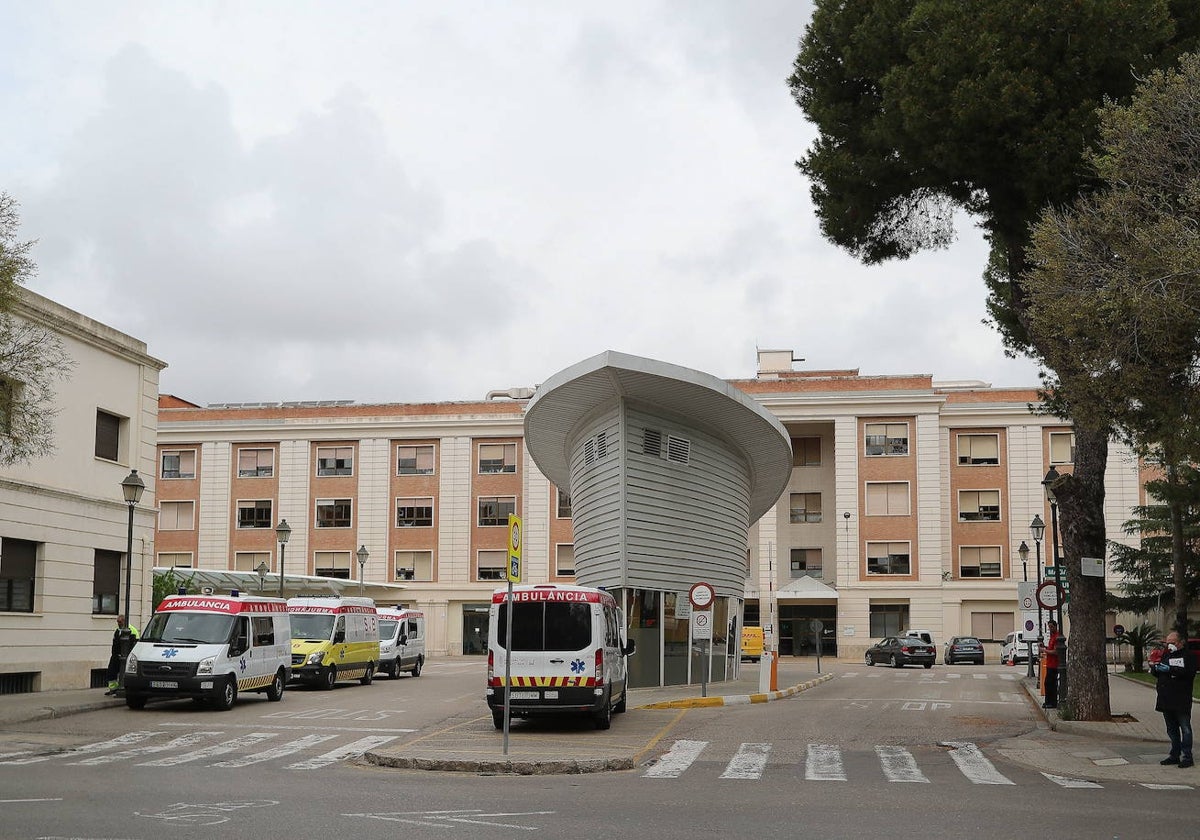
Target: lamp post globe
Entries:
(363, 554)
(282, 532)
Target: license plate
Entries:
(523, 695)
(551, 695)
(163, 684)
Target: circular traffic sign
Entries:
(701, 595)
(514, 537)
(1049, 594)
(1118, 630)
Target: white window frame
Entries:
(506, 466)
(493, 556)
(503, 520)
(893, 493)
(889, 546)
(794, 563)
(179, 453)
(247, 561)
(803, 514)
(410, 560)
(975, 553)
(977, 506)
(558, 507)
(270, 467)
(176, 506)
(416, 460)
(1057, 444)
(416, 502)
(801, 454)
(966, 441)
(330, 502)
(336, 471)
(333, 557)
(559, 550)
(890, 432)
(245, 504)
(171, 558)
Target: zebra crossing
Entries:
(827, 763)
(161, 749)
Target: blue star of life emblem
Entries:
(242, 664)
(577, 666)
(170, 653)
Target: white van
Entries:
(211, 647)
(1015, 650)
(401, 641)
(333, 639)
(567, 654)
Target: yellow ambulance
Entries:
(333, 639)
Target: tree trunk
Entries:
(1080, 499)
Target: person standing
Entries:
(114, 660)
(1050, 665)
(1175, 673)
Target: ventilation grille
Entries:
(679, 450)
(652, 443)
(17, 683)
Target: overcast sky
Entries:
(409, 201)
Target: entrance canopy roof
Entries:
(807, 589)
(223, 580)
(566, 400)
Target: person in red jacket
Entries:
(1051, 665)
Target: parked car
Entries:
(899, 651)
(963, 649)
(1015, 650)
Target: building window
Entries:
(991, 626)
(335, 460)
(1062, 448)
(414, 565)
(332, 564)
(978, 505)
(108, 435)
(564, 505)
(491, 565)
(414, 460)
(887, 438)
(805, 507)
(247, 561)
(889, 558)
(806, 452)
(888, 498)
(256, 463)
(494, 510)
(177, 516)
(979, 561)
(497, 458)
(414, 513)
(254, 513)
(978, 449)
(175, 559)
(564, 560)
(888, 619)
(806, 562)
(333, 513)
(106, 582)
(179, 463)
(18, 572)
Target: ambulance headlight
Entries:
(315, 658)
(206, 666)
(131, 663)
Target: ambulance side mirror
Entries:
(404, 640)
(339, 637)
(629, 648)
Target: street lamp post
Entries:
(363, 554)
(1052, 476)
(1037, 529)
(282, 532)
(1023, 551)
(131, 488)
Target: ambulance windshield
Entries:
(188, 628)
(312, 626)
(387, 628)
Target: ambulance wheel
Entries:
(622, 704)
(275, 690)
(498, 718)
(416, 669)
(603, 718)
(329, 678)
(227, 695)
(135, 701)
(392, 669)
(368, 675)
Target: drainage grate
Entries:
(17, 683)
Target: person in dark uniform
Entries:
(114, 661)
(1175, 672)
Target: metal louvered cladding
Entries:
(652, 443)
(679, 449)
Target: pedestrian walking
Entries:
(1176, 674)
(114, 660)
(1050, 665)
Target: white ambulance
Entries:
(211, 647)
(333, 639)
(401, 641)
(567, 654)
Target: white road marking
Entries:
(824, 764)
(309, 728)
(676, 760)
(182, 742)
(440, 818)
(1165, 787)
(1067, 782)
(899, 765)
(749, 763)
(974, 765)
(276, 752)
(208, 752)
(120, 741)
(351, 750)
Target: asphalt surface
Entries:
(1126, 748)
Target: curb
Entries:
(737, 699)
(509, 767)
(49, 712)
